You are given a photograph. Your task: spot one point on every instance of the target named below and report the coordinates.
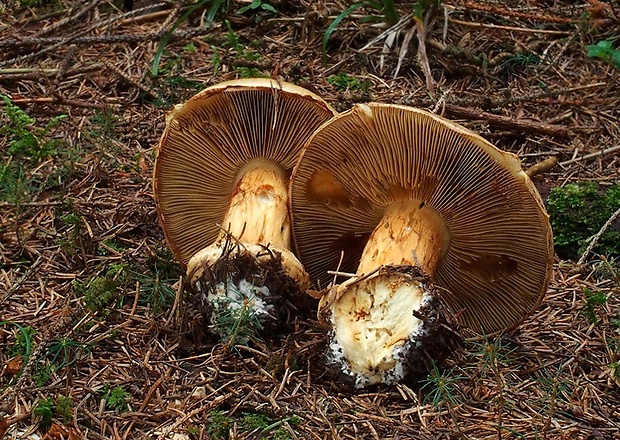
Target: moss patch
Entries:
(578, 211)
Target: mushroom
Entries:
(221, 189)
(433, 223)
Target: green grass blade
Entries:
(374, 5)
(334, 24)
(390, 13)
(24, 333)
(27, 354)
(215, 7)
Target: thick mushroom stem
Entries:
(411, 233)
(251, 257)
(258, 207)
(375, 315)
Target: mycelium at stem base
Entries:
(388, 320)
(250, 269)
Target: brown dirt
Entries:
(516, 72)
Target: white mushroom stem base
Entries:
(377, 327)
(250, 263)
(248, 285)
(376, 315)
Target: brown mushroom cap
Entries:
(498, 263)
(209, 139)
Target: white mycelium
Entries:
(243, 297)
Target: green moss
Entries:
(28, 143)
(594, 300)
(219, 425)
(259, 425)
(343, 82)
(250, 72)
(578, 211)
(43, 376)
(281, 434)
(252, 421)
(99, 294)
(64, 408)
(45, 410)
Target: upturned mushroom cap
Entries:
(498, 258)
(211, 137)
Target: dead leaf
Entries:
(5, 422)
(599, 10)
(14, 365)
(56, 432)
(4, 425)
(143, 165)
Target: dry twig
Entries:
(507, 12)
(595, 239)
(497, 27)
(507, 122)
(542, 167)
(423, 27)
(71, 19)
(590, 156)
